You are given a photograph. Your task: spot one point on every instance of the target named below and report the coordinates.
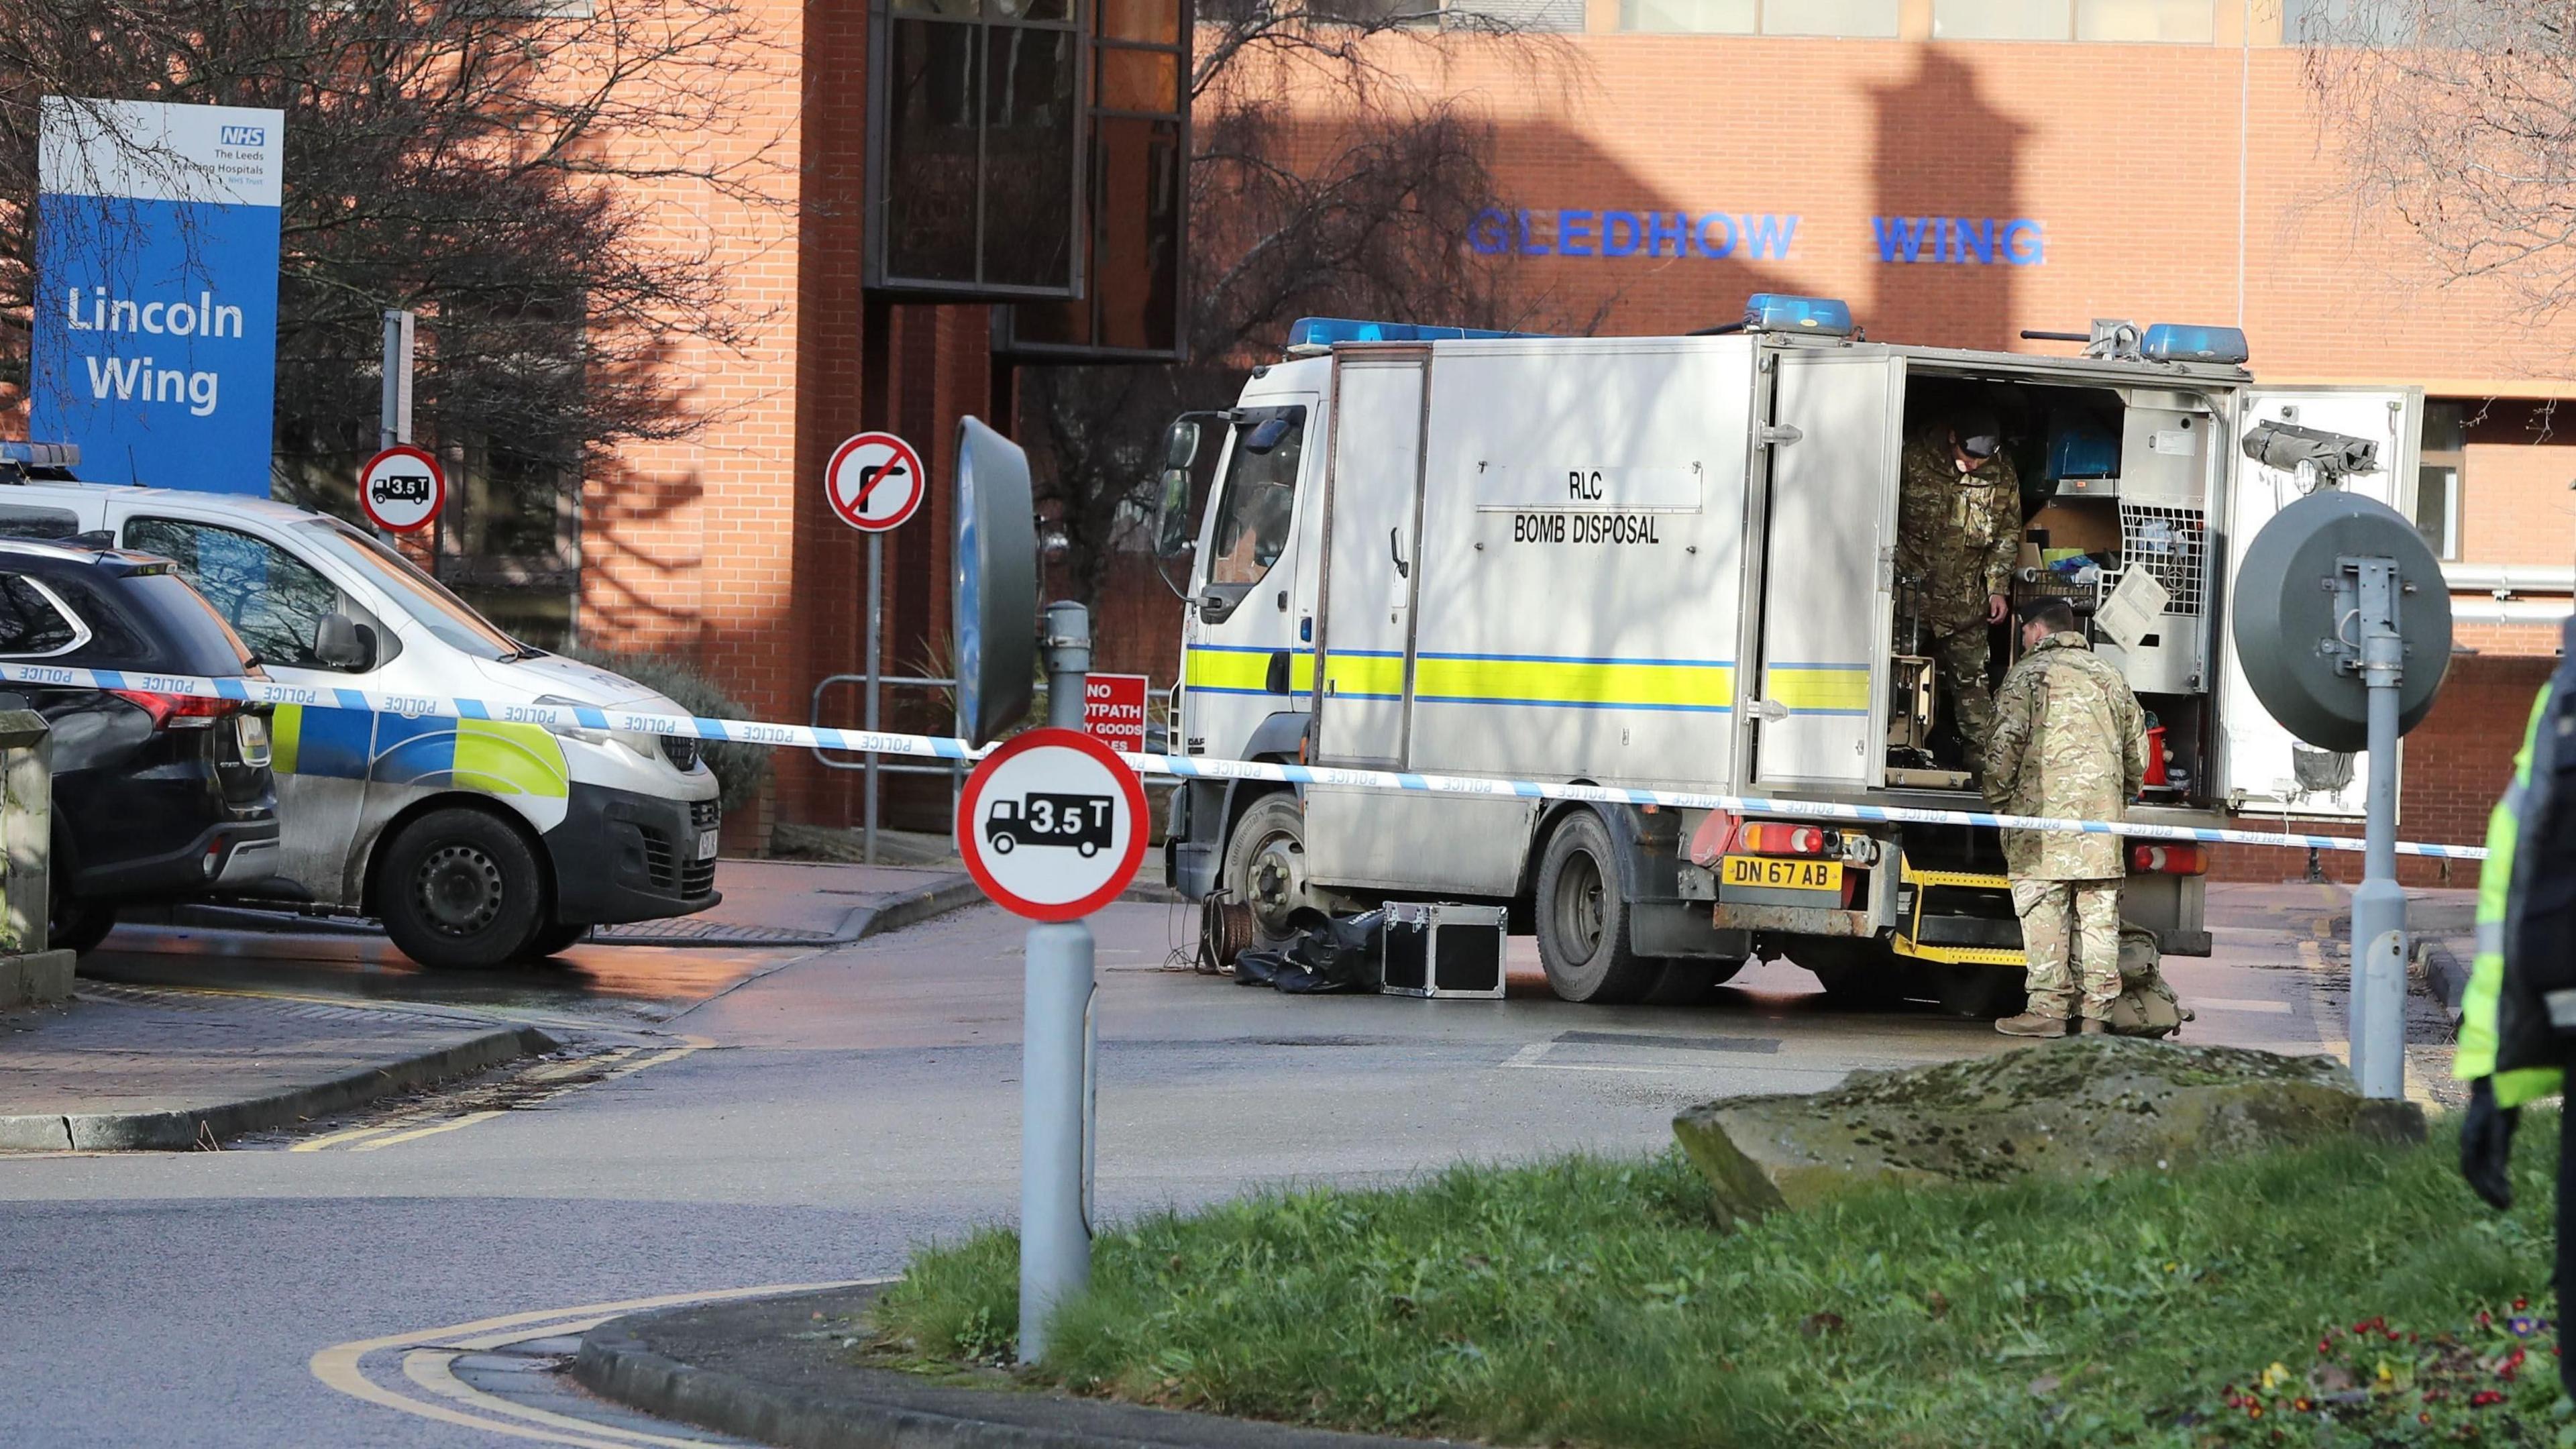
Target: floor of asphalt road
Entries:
(832, 1109)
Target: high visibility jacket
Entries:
(2518, 1019)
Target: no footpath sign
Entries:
(1113, 707)
(1052, 825)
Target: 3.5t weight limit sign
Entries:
(1052, 825)
(402, 489)
(875, 482)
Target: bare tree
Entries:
(2461, 119)
(1323, 180)
(490, 165)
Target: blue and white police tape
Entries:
(568, 718)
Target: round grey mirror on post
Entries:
(996, 598)
(2290, 615)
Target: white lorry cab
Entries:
(476, 842)
(1670, 562)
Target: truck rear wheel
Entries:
(1583, 919)
(461, 891)
(1265, 868)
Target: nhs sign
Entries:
(156, 290)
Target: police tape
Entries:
(574, 719)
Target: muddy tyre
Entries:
(1583, 919)
(1265, 868)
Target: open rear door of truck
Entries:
(1829, 534)
(2268, 772)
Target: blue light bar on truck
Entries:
(41, 455)
(1325, 331)
(1781, 312)
(2165, 342)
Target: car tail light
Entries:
(180, 711)
(2169, 859)
(1773, 838)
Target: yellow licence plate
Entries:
(1791, 875)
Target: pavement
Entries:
(725, 1122)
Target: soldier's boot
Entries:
(2094, 1026)
(2032, 1023)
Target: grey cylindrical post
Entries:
(1055, 1128)
(1068, 649)
(876, 627)
(2378, 1012)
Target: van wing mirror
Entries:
(338, 643)
(1181, 444)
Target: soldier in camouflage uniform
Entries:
(1958, 530)
(2070, 743)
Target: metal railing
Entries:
(868, 762)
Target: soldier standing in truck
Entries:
(1958, 531)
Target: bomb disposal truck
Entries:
(1669, 562)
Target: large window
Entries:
(2167, 20)
(2350, 22)
(1136, 208)
(275, 601)
(1857, 18)
(977, 120)
(2440, 465)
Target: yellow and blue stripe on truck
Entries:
(1544, 681)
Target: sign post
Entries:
(1052, 826)
(875, 482)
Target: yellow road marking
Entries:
(556, 1071)
(430, 1368)
(351, 1135)
(341, 1365)
(415, 1134)
(673, 1055)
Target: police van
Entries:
(476, 842)
(1669, 562)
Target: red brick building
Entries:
(1959, 170)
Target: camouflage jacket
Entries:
(1958, 532)
(2069, 743)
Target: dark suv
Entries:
(157, 796)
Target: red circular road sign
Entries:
(875, 481)
(402, 488)
(1052, 824)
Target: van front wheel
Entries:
(461, 891)
(1583, 919)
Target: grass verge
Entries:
(1592, 1301)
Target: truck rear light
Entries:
(180, 711)
(1773, 838)
(2169, 859)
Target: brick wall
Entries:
(2454, 766)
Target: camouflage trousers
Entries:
(2067, 926)
(1961, 660)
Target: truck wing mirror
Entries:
(1181, 444)
(1172, 514)
(338, 643)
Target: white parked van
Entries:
(476, 842)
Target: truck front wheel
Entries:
(1265, 867)
(461, 891)
(1583, 919)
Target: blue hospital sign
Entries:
(156, 290)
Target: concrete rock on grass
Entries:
(2079, 1107)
